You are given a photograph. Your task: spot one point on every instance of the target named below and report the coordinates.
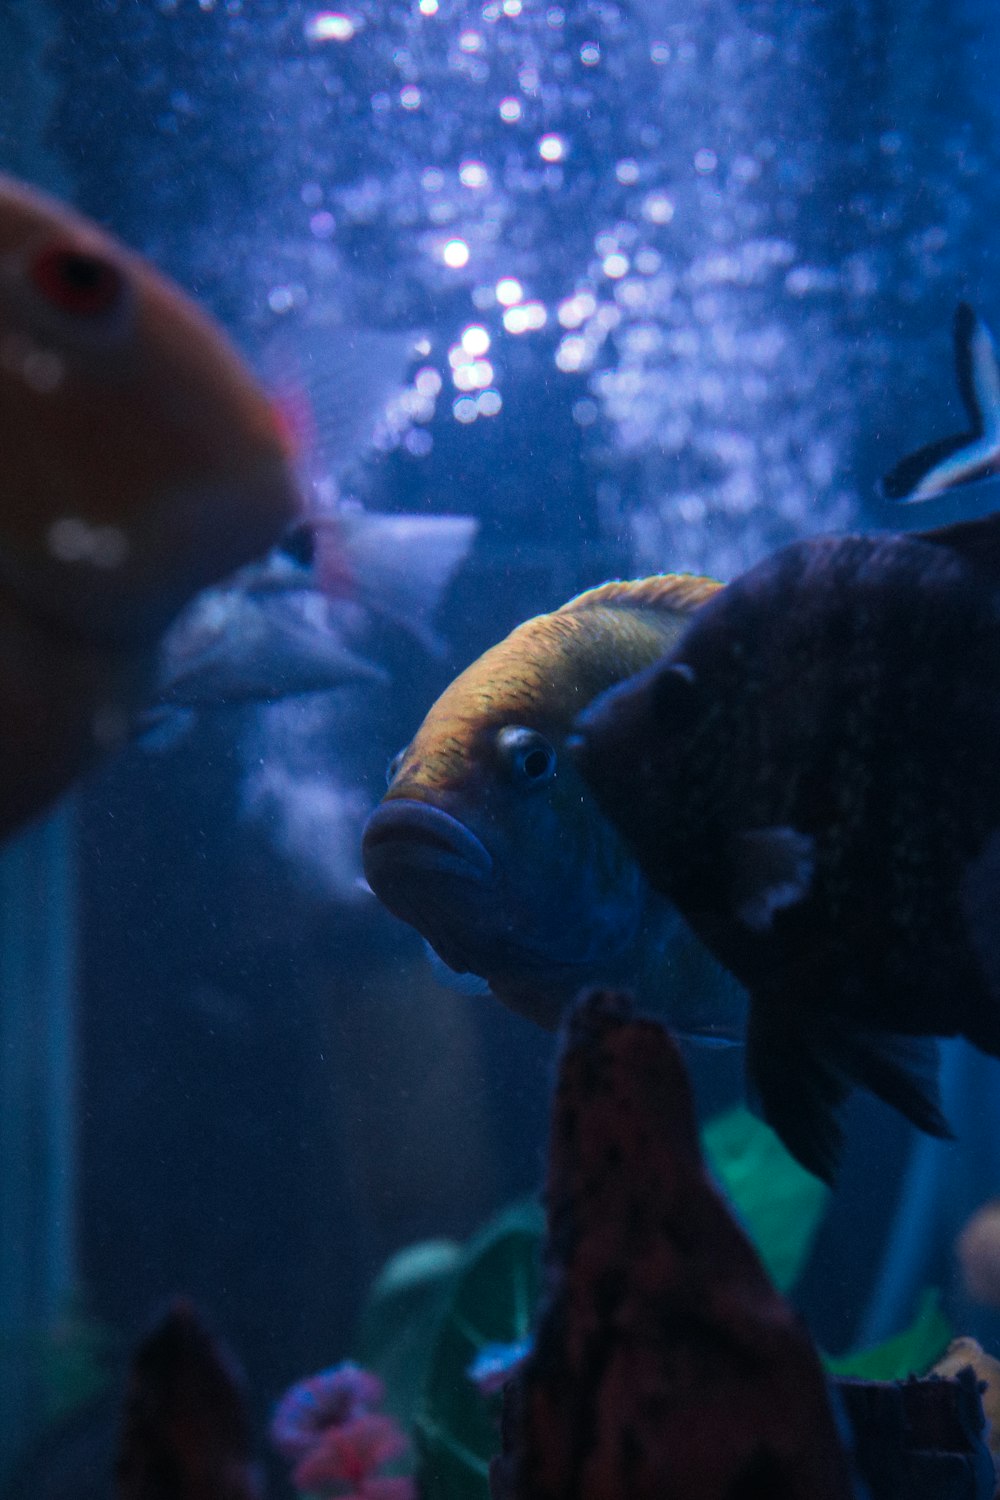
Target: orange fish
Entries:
(490, 845)
(140, 462)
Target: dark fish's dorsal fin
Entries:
(967, 456)
(670, 593)
(978, 541)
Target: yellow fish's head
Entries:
(489, 842)
(140, 459)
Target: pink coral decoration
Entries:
(307, 1411)
(347, 1457)
(327, 1427)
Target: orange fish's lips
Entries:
(403, 837)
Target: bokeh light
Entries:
(455, 254)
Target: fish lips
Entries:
(409, 847)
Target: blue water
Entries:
(667, 284)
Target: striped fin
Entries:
(673, 593)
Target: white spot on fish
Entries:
(41, 369)
(773, 868)
(73, 540)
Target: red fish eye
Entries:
(77, 282)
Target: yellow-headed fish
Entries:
(489, 843)
(140, 462)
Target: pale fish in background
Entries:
(489, 843)
(296, 622)
(240, 645)
(141, 463)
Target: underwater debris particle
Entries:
(510, 109)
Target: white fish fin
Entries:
(333, 383)
(967, 456)
(451, 979)
(978, 371)
(772, 869)
(397, 566)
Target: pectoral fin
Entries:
(771, 868)
(462, 982)
(802, 1071)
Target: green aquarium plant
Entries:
(910, 1352)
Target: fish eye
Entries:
(674, 695)
(393, 766)
(77, 282)
(528, 755)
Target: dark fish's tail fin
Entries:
(802, 1077)
(796, 1088)
(970, 455)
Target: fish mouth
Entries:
(403, 838)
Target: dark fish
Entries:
(971, 455)
(665, 1366)
(812, 775)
